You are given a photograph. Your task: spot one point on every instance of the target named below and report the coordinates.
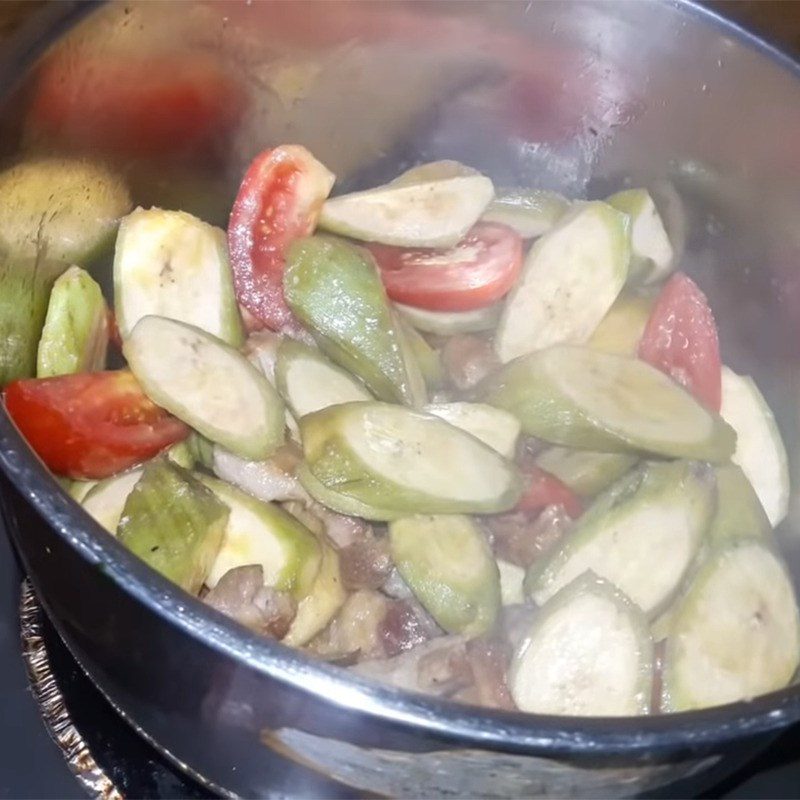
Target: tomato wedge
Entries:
(90, 425)
(545, 490)
(475, 273)
(279, 200)
(681, 339)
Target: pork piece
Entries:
(487, 659)
(269, 480)
(467, 360)
(365, 564)
(241, 595)
(521, 539)
(405, 626)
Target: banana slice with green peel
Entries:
(420, 357)
(652, 254)
(570, 279)
(182, 455)
(105, 501)
(578, 397)
(75, 333)
(739, 512)
(418, 209)
(174, 524)
(588, 653)
(262, 533)
(586, 472)
(760, 451)
(393, 458)
(308, 381)
(448, 565)
(449, 323)
(207, 384)
(66, 209)
(621, 330)
(736, 631)
(78, 490)
(171, 264)
(642, 534)
(335, 290)
(530, 212)
(499, 429)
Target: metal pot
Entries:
(573, 96)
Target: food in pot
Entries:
(471, 443)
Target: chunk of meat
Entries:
(241, 595)
(355, 630)
(405, 626)
(487, 660)
(269, 480)
(467, 360)
(365, 564)
(395, 586)
(521, 538)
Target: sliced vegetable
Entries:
(581, 398)
(760, 451)
(77, 489)
(588, 653)
(418, 209)
(393, 458)
(651, 250)
(105, 502)
(449, 323)
(498, 429)
(621, 330)
(571, 277)
(307, 381)
(75, 333)
(472, 274)
(174, 524)
(264, 534)
(420, 357)
(171, 264)
(641, 534)
(512, 578)
(739, 512)
(334, 289)
(736, 631)
(543, 490)
(530, 212)
(201, 450)
(208, 384)
(279, 201)
(586, 472)
(66, 209)
(447, 563)
(90, 425)
(681, 339)
(182, 454)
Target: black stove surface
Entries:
(33, 766)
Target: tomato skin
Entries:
(681, 340)
(545, 490)
(475, 273)
(90, 425)
(279, 200)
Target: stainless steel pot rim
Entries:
(470, 726)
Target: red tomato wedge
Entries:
(279, 201)
(90, 425)
(475, 273)
(681, 339)
(134, 104)
(545, 490)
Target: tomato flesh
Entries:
(544, 489)
(681, 340)
(475, 273)
(90, 425)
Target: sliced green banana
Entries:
(449, 323)
(174, 524)
(652, 254)
(499, 429)
(171, 264)
(582, 398)
(335, 290)
(207, 384)
(78, 489)
(739, 512)
(760, 451)
(75, 333)
(530, 212)
(66, 209)
(421, 358)
(418, 209)
(588, 653)
(390, 457)
(308, 381)
(570, 279)
(105, 501)
(621, 330)
(586, 472)
(447, 563)
(736, 631)
(642, 534)
(262, 533)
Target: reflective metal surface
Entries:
(581, 97)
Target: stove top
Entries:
(115, 762)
